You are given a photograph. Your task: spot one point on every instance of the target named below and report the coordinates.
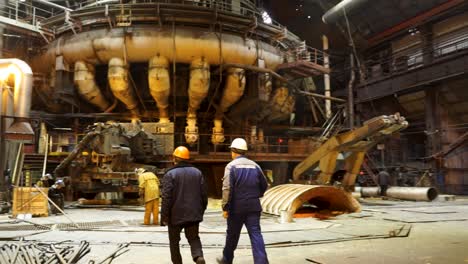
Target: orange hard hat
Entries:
(182, 153)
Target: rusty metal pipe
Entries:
(159, 85)
(87, 87)
(198, 89)
(233, 91)
(118, 82)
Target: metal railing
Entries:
(413, 57)
(25, 12)
(282, 145)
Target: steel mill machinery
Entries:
(195, 73)
(104, 161)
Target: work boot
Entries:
(200, 260)
(220, 260)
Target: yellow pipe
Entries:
(87, 87)
(118, 82)
(159, 85)
(198, 89)
(99, 46)
(233, 91)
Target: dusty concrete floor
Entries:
(384, 232)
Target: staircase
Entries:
(368, 178)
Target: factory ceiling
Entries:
(370, 21)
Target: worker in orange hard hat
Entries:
(183, 205)
(181, 153)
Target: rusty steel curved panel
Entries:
(291, 197)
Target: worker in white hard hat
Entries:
(56, 195)
(149, 191)
(46, 181)
(243, 185)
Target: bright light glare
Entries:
(266, 18)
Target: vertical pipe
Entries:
(198, 89)
(326, 77)
(44, 167)
(159, 84)
(351, 92)
(2, 149)
(233, 91)
(87, 87)
(118, 82)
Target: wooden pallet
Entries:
(28, 200)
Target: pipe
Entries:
(23, 77)
(233, 91)
(159, 85)
(413, 193)
(332, 15)
(331, 98)
(87, 87)
(101, 45)
(118, 82)
(351, 92)
(326, 77)
(101, 2)
(370, 191)
(49, 3)
(198, 89)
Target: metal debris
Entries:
(40, 253)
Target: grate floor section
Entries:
(64, 226)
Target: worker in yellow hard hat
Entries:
(184, 203)
(149, 191)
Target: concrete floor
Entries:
(384, 232)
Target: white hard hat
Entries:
(239, 143)
(60, 182)
(139, 171)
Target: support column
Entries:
(432, 117)
(326, 77)
(64, 88)
(426, 35)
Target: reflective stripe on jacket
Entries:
(243, 185)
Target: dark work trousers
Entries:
(383, 190)
(191, 233)
(58, 200)
(234, 226)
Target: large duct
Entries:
(118, 82)
(233, 91)
(87, 87)
(21, 96)
(159, 85)
(198, 89)
(100, 46)
(336, 12)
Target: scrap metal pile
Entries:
(50, 253)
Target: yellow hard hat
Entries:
(181, 152)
